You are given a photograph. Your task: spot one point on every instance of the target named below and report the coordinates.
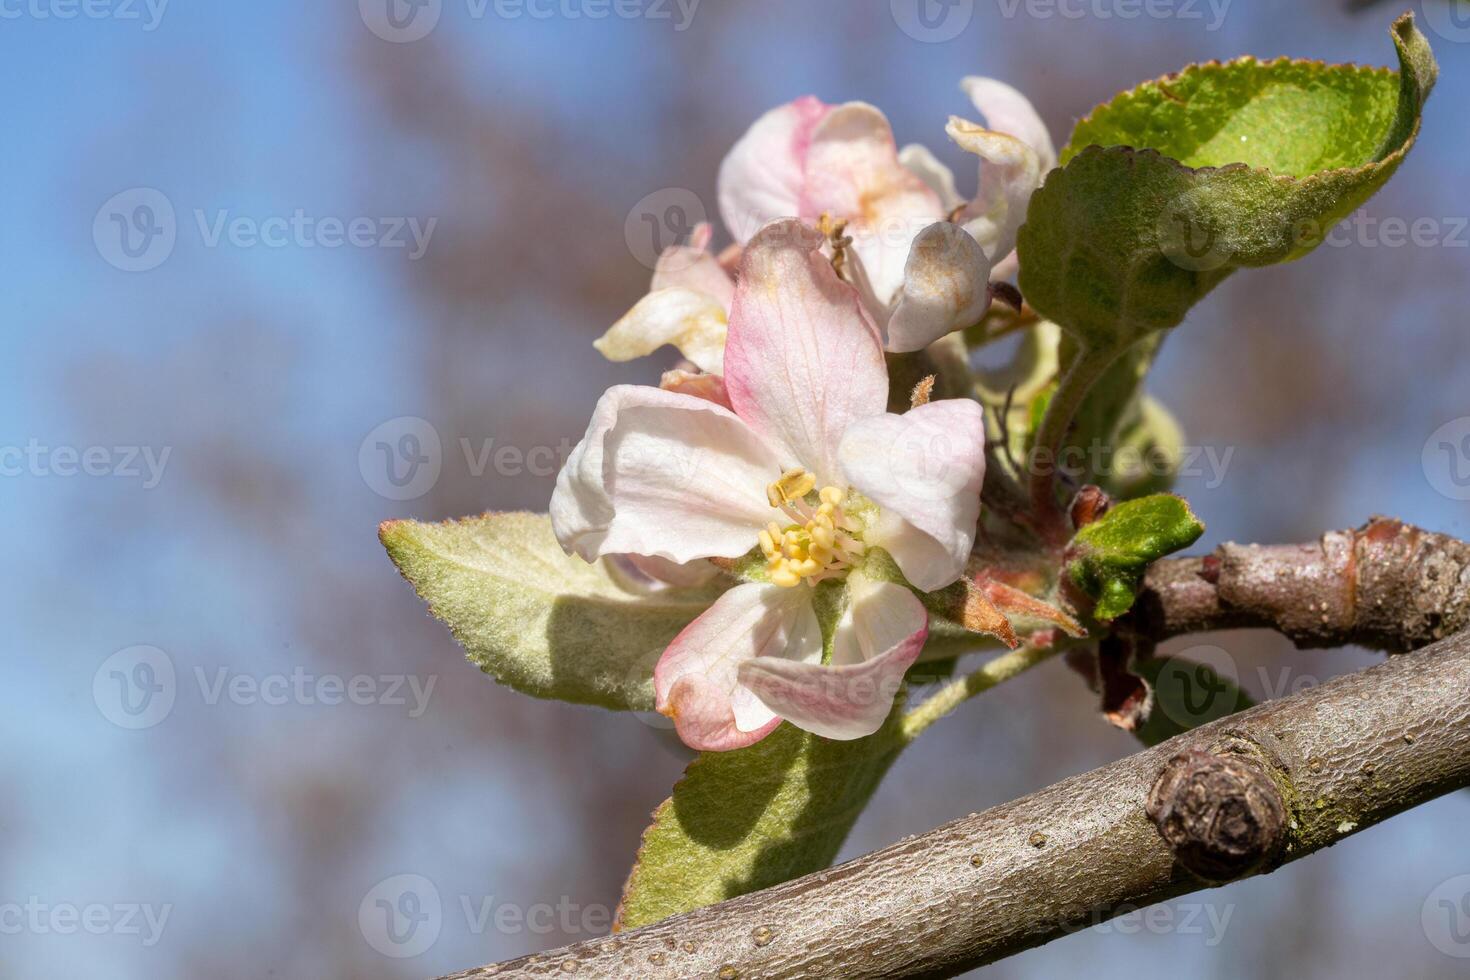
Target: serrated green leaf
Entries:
(1108, 557)
(1170, 187)
(536, 619)
(752, 818)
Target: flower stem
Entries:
(958, 691)
(1045, 459)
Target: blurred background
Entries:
(228, 727)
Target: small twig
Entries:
(1386, 585)
(957, 692)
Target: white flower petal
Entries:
(1011, 173)
(763, 175)
(853, 172)
(917, 159)
(694, 322)
(803, 359)
(1006, 110)
(876, 641)
(697, 682)
(666, 475)
(924, 469)
(946, 287)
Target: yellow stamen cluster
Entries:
(819, 542)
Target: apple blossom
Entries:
(920, 256)
(800, 464)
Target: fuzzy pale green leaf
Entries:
(1108, 557)
(536, 619)
(1168, 188)
(745, 820)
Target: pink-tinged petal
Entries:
(803, 360)
(693, 322)
(1006, 110)
(876, 641)
(946, 287)
(924, 469)
(697, 682)
(762, 176)
(853, 172)
(695, 268)
(1009, 176)
(665, 475)
(710, 387)
(936, 175)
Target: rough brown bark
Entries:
(1387, 585)
(1335, 760)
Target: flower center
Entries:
(819, 541)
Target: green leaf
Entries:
(1173, 185)
(535, 619)
(1186, 694)
(1107, 558)
(745, 820)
